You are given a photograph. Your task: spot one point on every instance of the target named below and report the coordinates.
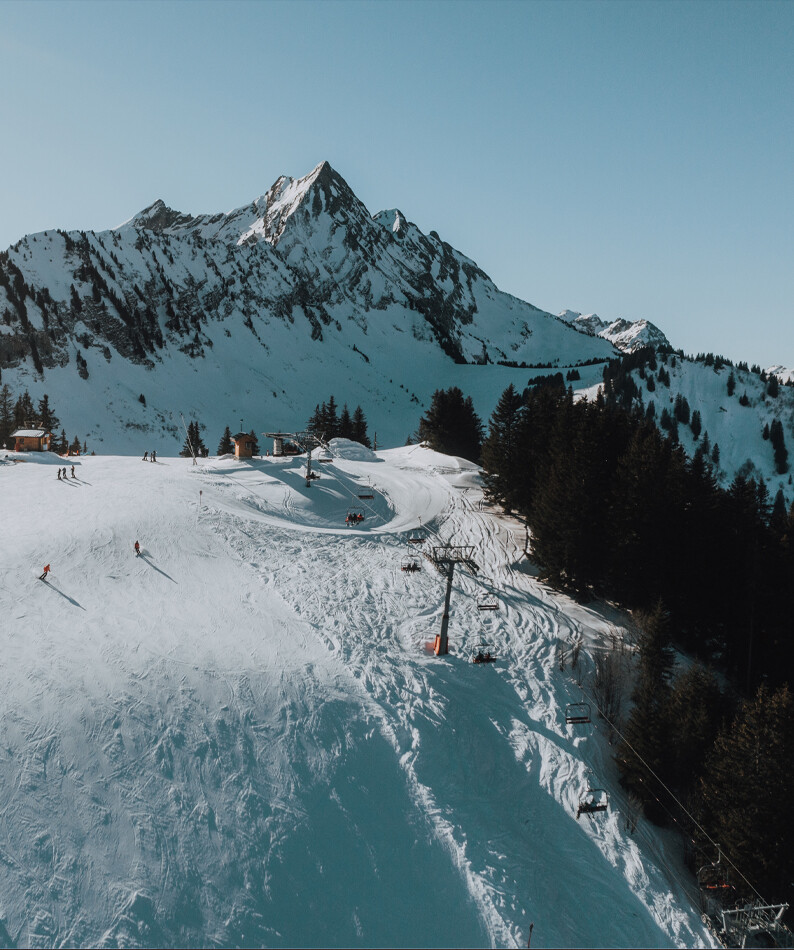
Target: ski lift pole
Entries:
(443, 640)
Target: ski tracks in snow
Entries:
(474, 767)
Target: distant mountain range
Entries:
(263, 312)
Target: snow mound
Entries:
(351, 451)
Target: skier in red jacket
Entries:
(45, 573)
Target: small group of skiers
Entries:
(149, 457)
(62, 478)
(43, 577)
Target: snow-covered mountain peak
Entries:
(626, 335)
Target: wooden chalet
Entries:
(244, 444)
(31, 440)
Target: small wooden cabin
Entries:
(244, 444)
(31, 440)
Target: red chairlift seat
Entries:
(411, 565)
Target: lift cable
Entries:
(673, 796)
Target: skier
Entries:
(59, 474)
(73, 475)
(46, 569)
(145, 457)
(137, 549)
(154, 456)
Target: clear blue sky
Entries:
(632, 159)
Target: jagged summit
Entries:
(301, 276)
(626, 335)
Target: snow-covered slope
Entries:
(239, 738)
(626, 335)
(737, 428)
(262, 312)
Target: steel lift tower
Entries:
(445, 557)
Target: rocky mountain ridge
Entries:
(269, 294)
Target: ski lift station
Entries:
(244, 444)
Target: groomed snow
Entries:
(241, 738)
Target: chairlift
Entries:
(417, 537)
(487, 602)
(411, 565)
(596, 800)
(354, 517)
(577, 713)
(365, 497)
(483, 656)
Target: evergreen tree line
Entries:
(617, 509)
(728, 763)
(328, 423)
(21, 413)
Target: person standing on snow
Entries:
(59, 474)
(73, 475)
(137, 549)
(154, 456)
(145, 456)
(46, 568)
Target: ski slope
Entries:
(241, 738)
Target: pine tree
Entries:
(746, 788)
(451, 425)
(226, 446)
(47, 418)
(696, 424)
(646, 735)
(24, 413)
(255, 446)
(193, 444)
(696, 712)
(731, 384)
(779, 445)
(6, 414)
(360, 428)
(345, 424)
(500, 450)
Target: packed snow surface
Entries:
(241, 738)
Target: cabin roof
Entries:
(29, 433)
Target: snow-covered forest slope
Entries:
(240, 737)
(262, 313)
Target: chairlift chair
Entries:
(411, 565)
(595, 801)
(417, 537)
(483, 657)
(488, 602)
(577, 713)
(354, 516)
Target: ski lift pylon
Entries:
(577, 713)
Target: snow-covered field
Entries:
(240, 738)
